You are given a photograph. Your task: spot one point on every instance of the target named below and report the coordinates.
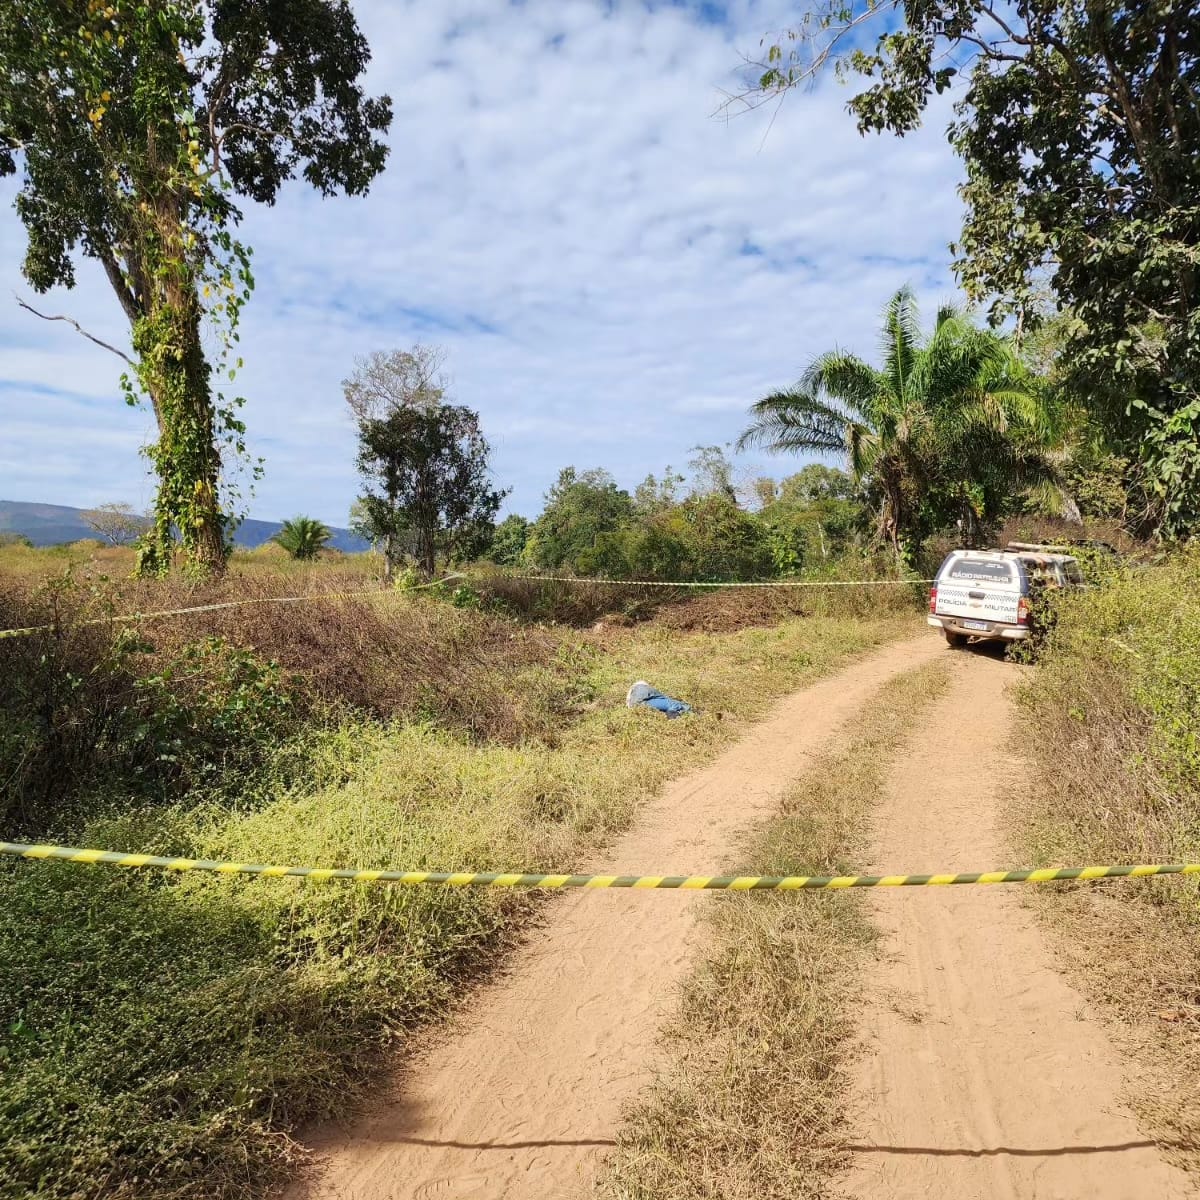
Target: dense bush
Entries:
(90, 707)
(1121, 683)
(590, 526)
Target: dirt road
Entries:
(985, 1077)
(521, 1096)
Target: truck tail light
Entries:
(933, 599)
(1022, 611)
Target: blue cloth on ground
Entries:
(664, 704)
(643, 694)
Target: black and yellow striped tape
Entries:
(719, 883)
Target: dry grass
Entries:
(162, 1037)
(720, 610)
(749, 1103)
(90, 707)
(1113, 720)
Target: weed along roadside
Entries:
(1116, 710)
(168, 1035)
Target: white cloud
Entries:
(615, 274)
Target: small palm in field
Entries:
(303, 537)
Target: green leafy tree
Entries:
(952, 420)
(1079, 128)
(508, 542)
(135, 128)
(703, 538)
(712, 473)
(816, 515)
(719, 540)
(303, 537)
(428, 483)
(581, 507)
(817, 482)
(655, 494)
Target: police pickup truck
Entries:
(985, 594)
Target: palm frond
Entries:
(901, 337)
(845, 378)
(795, 420)
(863, 449)
(947, 312)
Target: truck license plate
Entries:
(976, 625)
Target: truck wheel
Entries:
(954, 640)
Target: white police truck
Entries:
(986, 594)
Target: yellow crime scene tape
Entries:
(772, 583)
(201, 608)
(708, 883)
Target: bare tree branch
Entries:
(128, 297)
(795, 72)
(78, 329)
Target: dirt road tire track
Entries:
(984, 1079)
(522, 1094)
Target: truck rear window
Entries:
(980, 572)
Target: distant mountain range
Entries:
(53, 524)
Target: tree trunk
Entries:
(427, 554)
(389, 558)
(892, 513)
(176, 374)
(157, 287)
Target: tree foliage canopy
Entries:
(580, 507)
(134, 128)
(386, 380)
(1079, 126)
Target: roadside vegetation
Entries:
(165, 1036)
(1112, 720)
(750, 1102)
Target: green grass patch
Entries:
(165, 1036)
(751, 1100)
(1112, 722)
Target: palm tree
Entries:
(303, 537)
(954, 419)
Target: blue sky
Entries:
(614, 273)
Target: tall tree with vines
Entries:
(135, 128)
